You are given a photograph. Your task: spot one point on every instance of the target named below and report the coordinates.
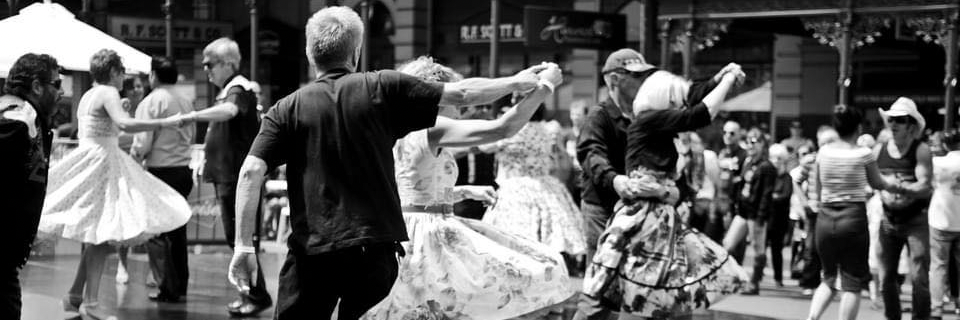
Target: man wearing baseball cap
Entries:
(907, 160)
(601, 149)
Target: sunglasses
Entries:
(900, 120)
(624, 72)
(210, 64)
(56, 83)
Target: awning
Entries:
(756, 100)
(51, 29)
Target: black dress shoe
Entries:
(160, 297)
(245, 307)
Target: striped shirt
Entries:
(843, 173)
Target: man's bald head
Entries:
(731, 133)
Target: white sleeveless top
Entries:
(423, 178)
(944, 213)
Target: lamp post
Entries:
(168, 21)
(365, 53)
(950, 79)
(252, 4)
(494, 38)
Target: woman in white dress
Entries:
(458, 268)
(98, 194)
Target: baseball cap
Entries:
(627, 59)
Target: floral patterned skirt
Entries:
(652, 265)
(458, 268)
(539, 208)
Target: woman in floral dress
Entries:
(458, 268)
(533, 203)
(647, 261)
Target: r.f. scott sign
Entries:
(548, 27)
(145, 29)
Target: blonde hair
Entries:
(224, 49)
(427, 69)
(662, 90)
(334, 34)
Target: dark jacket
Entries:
(601, 146)
(23, 181)
(755, 196)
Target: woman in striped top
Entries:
(844, 170)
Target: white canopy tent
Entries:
(51, 29)
(757, 100)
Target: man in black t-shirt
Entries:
(336, 137)
(33, 89)
(234, 121)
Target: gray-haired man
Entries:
(336, 136)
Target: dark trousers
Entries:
(10, 303)
(810, 274)
(776, 236)
(915, 234)
(227, 193)
(595, 220)
(358, 277)
(714, 227)
(168, 251)
(699, 215)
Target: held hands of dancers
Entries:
(550, 77)
(733, 69)
(243, 267)
(530, 78)
(633, 188)
(485, 194)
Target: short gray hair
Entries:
(333, 36)
(224, 49)
(427, 69)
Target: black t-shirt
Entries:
(227, 142)
(650, 136)
(336, 137)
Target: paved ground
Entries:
(45, 281)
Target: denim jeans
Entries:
(943, 244)
(915, 234)
(595, 220)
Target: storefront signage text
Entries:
(578, 29)
(140, 29)
(509, 32)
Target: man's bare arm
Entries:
(252, 173)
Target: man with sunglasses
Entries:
(906, 160)
(234, 123)
(730, 158)
(32, 91)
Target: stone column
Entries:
(950, 74)
(585, 64)
(412, 37)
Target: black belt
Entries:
(433, 208)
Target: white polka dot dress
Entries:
(98, 193)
